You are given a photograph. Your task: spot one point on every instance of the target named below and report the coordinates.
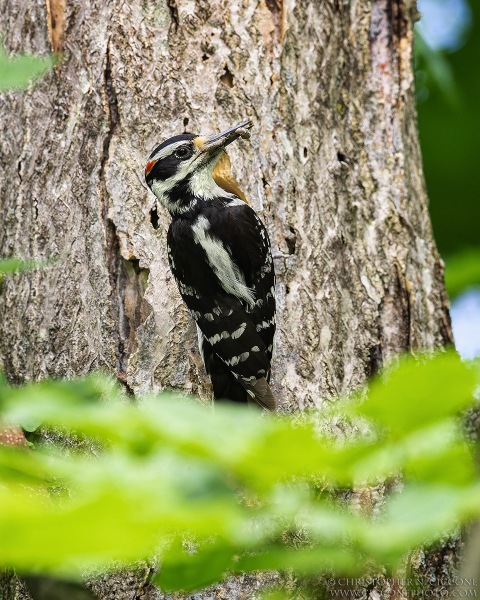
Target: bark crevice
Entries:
(174, 19)
(56, 24)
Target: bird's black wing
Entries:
(223, 268)
(243, 233)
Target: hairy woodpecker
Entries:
(219, 254)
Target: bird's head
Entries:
(188, 167)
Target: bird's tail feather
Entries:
(262, 394)
(227, 387)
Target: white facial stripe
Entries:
(202, 185)
(161, 188)
(229, 275)
(164, 152)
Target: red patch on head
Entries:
(149, 166)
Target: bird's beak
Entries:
(220, 140)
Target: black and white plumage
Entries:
(219, 254)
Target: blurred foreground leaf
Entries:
(195, 568)
(420, 392)
(17, 265)
(215, 492)
(17, 71)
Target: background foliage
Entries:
(448, 90)
(448, 81)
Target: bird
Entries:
(220, 255)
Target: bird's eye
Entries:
(183, 152)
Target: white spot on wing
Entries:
(218, 336)
(237, 359)
(238, 332)
(265, 324)
(267, 268)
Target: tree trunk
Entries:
(333, 168)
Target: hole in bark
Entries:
(205, 57)
(305, 152)
(375, 362)
(133, 310)
(185, 121)
(342, 158)
(136, 265)
(274, 6)
(291, 240)
(287, 289)
(227, 78)
(154, 220)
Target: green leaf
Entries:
(252, 492)
(16, 265)
(18, 71)
(419, 392)
(435, 452)
(202, 566)
(419, 515)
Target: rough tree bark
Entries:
(333, 167)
